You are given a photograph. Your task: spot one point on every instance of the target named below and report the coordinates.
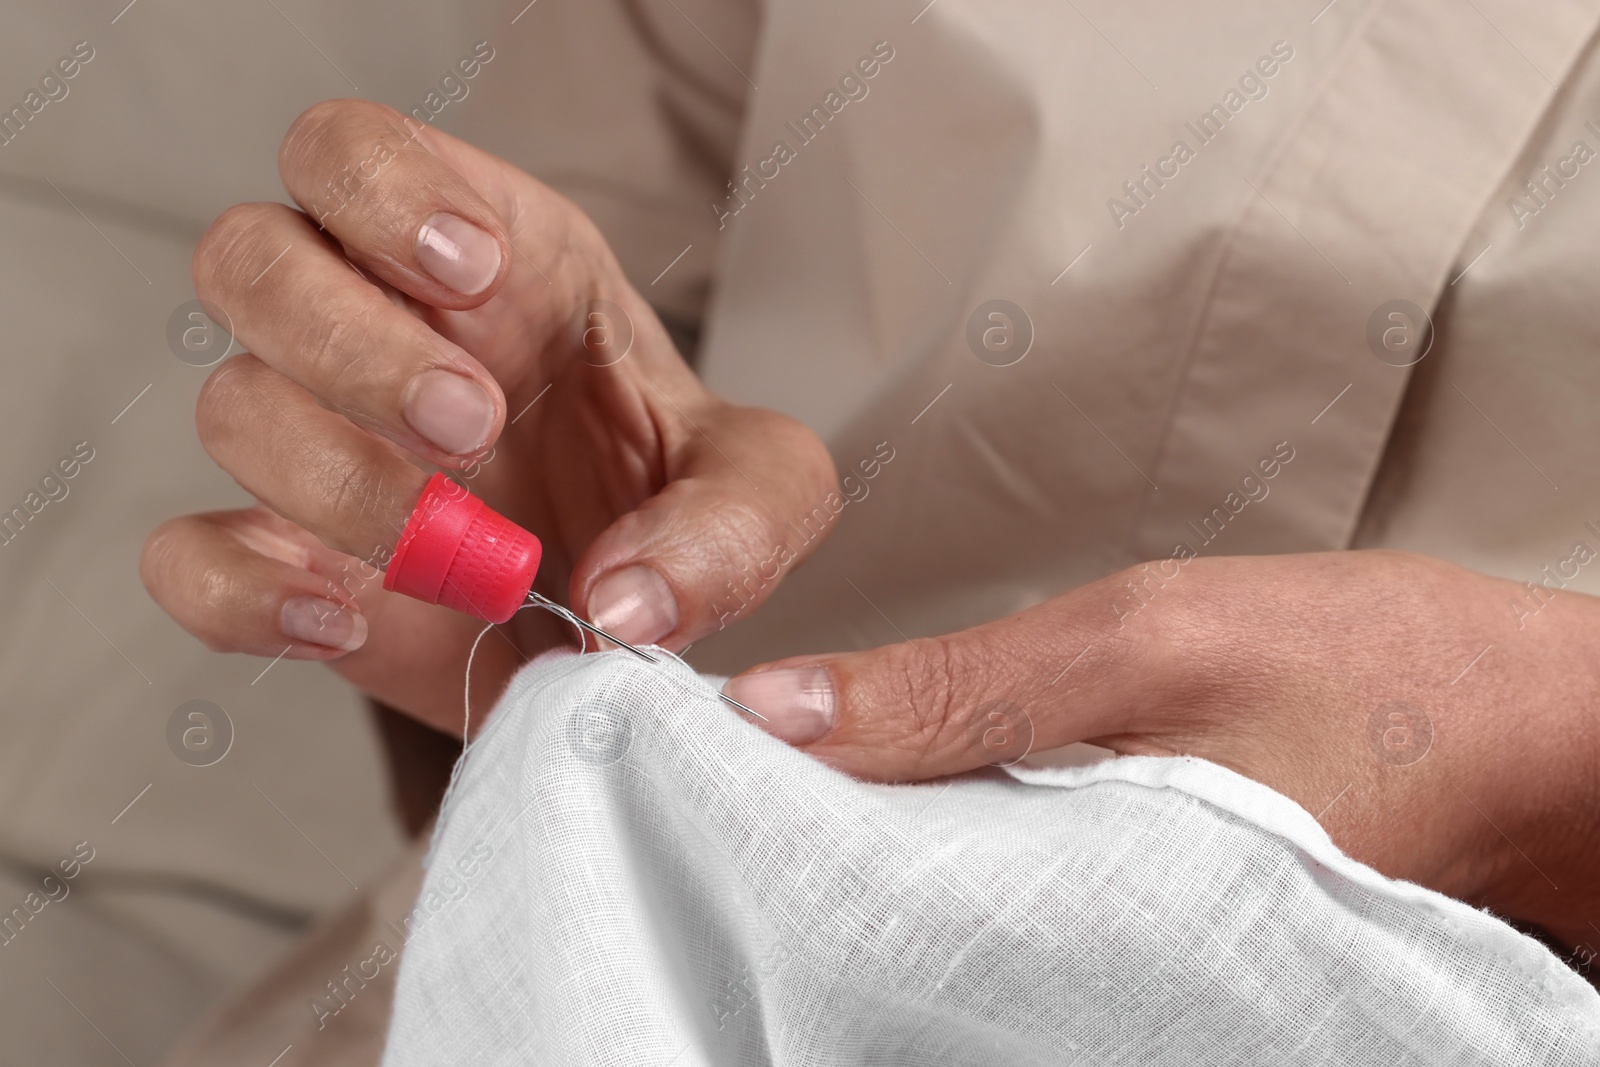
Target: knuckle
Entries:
(234, 239)
(730, 538)
(333, 339)
(220, 397)
(355, 495)
(199, 598)
(216, 397)
(1115, 636)
(925, 675)
(737, 526)
(1168, 624)
(324, 133)
(214, 591)
(572, 233)
(806, 453)
(1193, 643)
(155, 559)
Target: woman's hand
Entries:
(453, 309)
(1443, 731)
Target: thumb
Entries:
(1046, 677)
(749, 494)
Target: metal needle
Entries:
(545, 601)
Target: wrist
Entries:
(1549, 861)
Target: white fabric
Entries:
(627, 873)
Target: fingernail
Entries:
(458, 254)
(635, 603)
(323, 622)
(798, 702)
(451, 411)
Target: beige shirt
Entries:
(1209, 218)
(1205, 212)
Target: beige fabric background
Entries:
(1227, 315)
(214, 871)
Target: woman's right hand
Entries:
(446, 312)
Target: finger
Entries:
(750, 494)
(364, 172)
(296, 304)
(1046, 677)
(246, 581)
(350, 489)
(250, 581)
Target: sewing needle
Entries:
(545, 601)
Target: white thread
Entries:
(466, 729)
(466, 692)
(567, 614)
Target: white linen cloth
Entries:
(627, 873)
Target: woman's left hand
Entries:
(1441, 733)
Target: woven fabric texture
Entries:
(628, 873)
